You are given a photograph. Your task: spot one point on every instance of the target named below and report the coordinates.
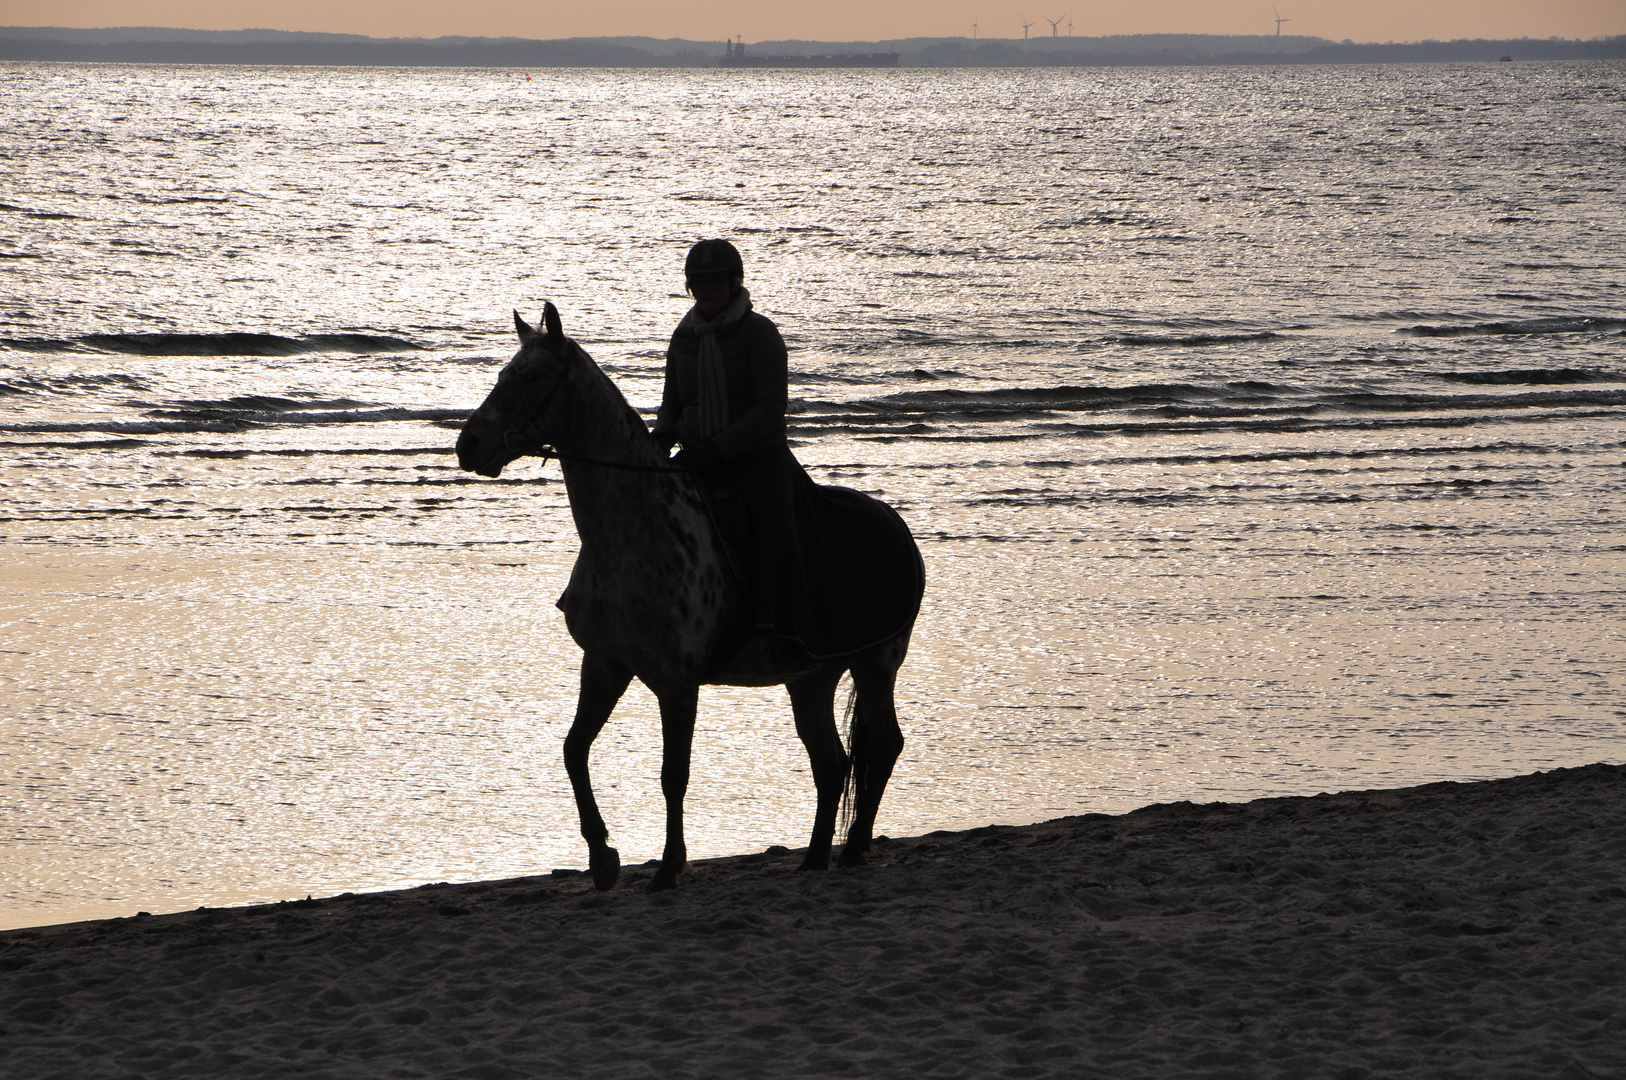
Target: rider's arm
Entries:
(670, 412)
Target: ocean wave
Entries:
(71, 383)
(1532, 376)
(235, 344)
(1007, 400)
(1290, 423)
(827, 378)
(919, 374)
(1014, 402)
(1249, 397)
(264, 403)
(1300, 454)
(304, 416)
(46, 215)
(1196, 340)
(1490, 403)
(76, 444)
(126, 427)
(221, 421)
(1165, 422)
(867, 345)
(306, 452)
(1516, 327)
(1394, 315)
(1286, 425)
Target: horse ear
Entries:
(526, 330)
(550, 319)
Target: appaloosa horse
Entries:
(652, 596)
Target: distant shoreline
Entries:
(157, 45)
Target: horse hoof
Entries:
(810, 863)
(663, 880)
(606, 866)
(851, 856)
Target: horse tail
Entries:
(857, 735)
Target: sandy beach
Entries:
(1455, 929)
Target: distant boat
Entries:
(736, 57)
(1505, 59)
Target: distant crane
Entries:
(1279, 21)
(1025, 25)
(1053, 24)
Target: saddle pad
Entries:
(862, 577)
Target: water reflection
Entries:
(1243, 462)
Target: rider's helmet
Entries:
(713, 257)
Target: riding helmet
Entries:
(710, 257)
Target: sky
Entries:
(848, 20)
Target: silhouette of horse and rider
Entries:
(724, 563)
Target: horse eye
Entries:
(515, 375)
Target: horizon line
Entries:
(1555, 38)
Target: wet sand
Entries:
(1474, 930)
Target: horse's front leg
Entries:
(603, 683)
(677, 740)
(812, 700)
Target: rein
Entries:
(518, 442)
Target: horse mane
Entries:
(621, 407)
(610, 415)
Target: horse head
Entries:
(525, 410)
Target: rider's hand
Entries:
(702, 458)
(664, 440)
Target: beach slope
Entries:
(1474, 930)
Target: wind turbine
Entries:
(1025, 25)
(1279, 21)
(1053, 24)
(1069, 28)
(973, 30)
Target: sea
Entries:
(1263, 430)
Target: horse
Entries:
(652, 595)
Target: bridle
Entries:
(519, 441)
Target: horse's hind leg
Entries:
(877, 742)
(812, 699)
(602, 685)
(677, 740)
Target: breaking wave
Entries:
(237, 344)
(1517, 327)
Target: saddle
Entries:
(861, 574)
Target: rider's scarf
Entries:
(713, 383)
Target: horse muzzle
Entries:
(482, 452)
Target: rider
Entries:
(724, 401)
